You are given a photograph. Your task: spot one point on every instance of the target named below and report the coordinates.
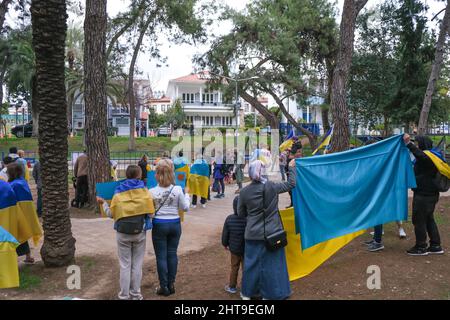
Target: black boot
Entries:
(163, 291)
(172, 288)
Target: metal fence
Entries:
(122, 159)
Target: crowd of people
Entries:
(253, 233)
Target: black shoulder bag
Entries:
(135, 224)
(276, 240)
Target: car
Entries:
(164, 131)
(23, 131)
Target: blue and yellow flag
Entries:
(198, 180)
(8, 209)
(325, 142)
(9, 269)
(302, 262)
(28, 221)
(439, 162)
(181, 164)
(131, 198)
(288, 142)
(347, 192)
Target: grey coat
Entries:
(251, 206)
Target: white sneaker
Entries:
(244, 297)
(402, 233)
(204, 206)
(193, 207)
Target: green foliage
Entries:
(155, 120)
(391, 67)
(17, 49)
(287, 44)
(175, 116)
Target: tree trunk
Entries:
(131, 94)
(435, 71)
(312, 139)
(3, 10)
(35, 106)
(326, 111)
(96, 102)
(341, 136)
(49, 21)
(269, 116)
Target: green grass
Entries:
(116, 144)
(28, 281)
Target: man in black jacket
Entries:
(426, 195)
(233, 240)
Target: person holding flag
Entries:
(426, 195)
(9, 268)
(131, 208)
(27, 218)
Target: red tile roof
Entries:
(200, 77)
(160, 100)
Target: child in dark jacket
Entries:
(233, 240)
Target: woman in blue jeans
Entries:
(169, 200)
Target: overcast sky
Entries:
(180, 56)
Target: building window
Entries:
(188, 97)
(208, 98)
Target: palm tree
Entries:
(49, 20)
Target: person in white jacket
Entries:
(169, 201)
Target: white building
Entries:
(160, 105)
(202, 107)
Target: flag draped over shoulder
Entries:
(346, 192)
(28, 222)
(8, 208)
(9, 269)
(440, 164)
(302, 262)
(198, 180)
(131, 198)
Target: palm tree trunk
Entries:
(341, 136)
(435, 71)
(49, 21)
(96, 102)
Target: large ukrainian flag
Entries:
(347, 192)
(198, 180)
(28, 222)
(302, 262)
(131, 198)
(9, 269)
(8, 208)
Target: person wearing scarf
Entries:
(426, 195)
(27, 218)
(265, 272)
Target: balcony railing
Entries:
(206, 104)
